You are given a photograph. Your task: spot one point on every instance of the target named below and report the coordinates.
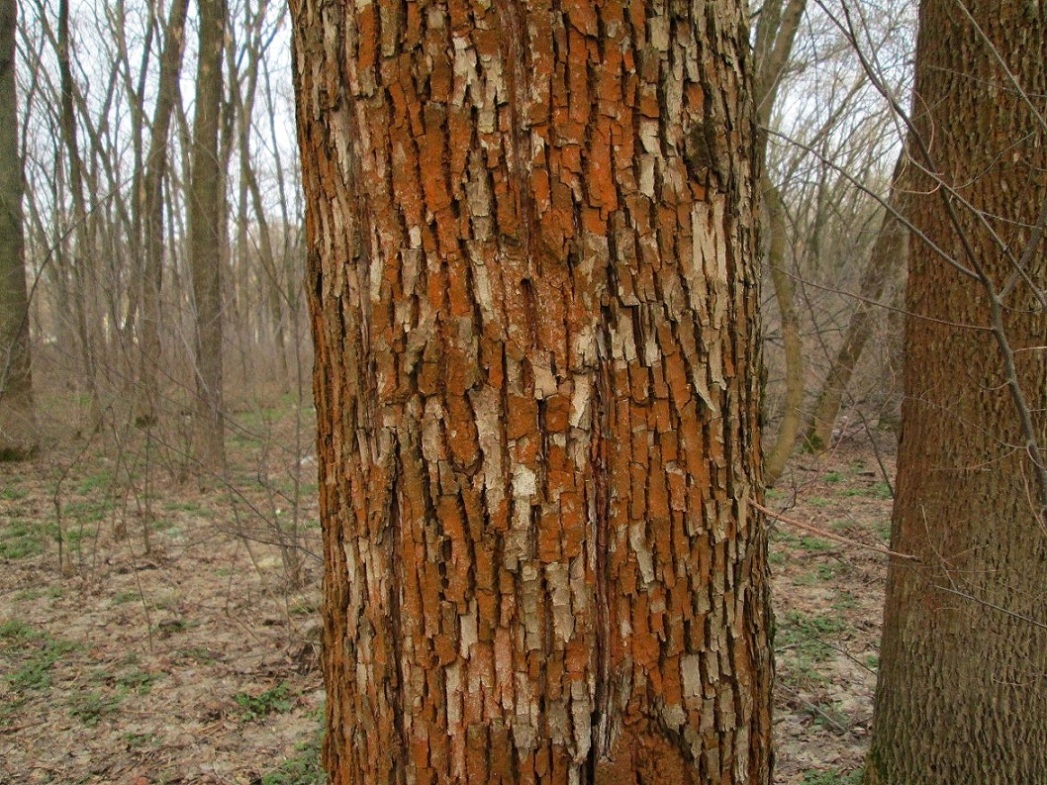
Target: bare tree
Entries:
(775, 34)
(885, 264)
(205, 235)
(153, 212)
(17, 418)
(82, 255)
(825, 128)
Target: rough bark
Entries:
(17, 421)
(148, 403)
(885, 261)
(532, 261)
(960, 696)
(205, 238)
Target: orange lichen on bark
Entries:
(526, 490)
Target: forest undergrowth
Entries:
(155, 629)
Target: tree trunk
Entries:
(774, 44)
(148, 403)
(17, 420)
(532, 260)
(205, 233)
(960, 697)
(885, 260)
(82, 259)
(792, 417)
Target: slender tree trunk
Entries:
(18, 436)
(532, 261)
(960, 697)
(885, 260)
(148, 404)
(774, 43)
(271, 293)
(206, 212)
(792, 417)
(81, 258)
(134, 81)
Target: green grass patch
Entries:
(22, 540)
(815, 544)
(95, 482)
(805, 635)
(833, 477)
(198, 654)
(88, 510)
(18, 631)
(190, 507)
(845, 601)
(138, 740)
(879, 490)
(12, 493)
(808, 579)
(31, 654)
(276, 700)
(91, 707)
(308, 606)
(883, 529)
(28, 595)
(784, 537)
(303, 768)
(138, 681)
(826, 572)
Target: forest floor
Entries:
(155, 632)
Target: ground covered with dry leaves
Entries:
(153, 631)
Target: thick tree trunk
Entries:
(532, 259)
(205, 235)
(960, 697)
(885, 261)
(17, 421)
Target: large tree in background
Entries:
(17, 423)
(960, 697)
(532, 260)
(205, 238)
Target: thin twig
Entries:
(811, 529)
(987, 604)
